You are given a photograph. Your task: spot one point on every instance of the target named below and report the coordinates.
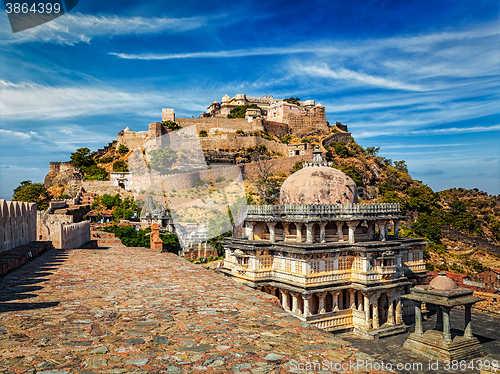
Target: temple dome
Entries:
(225, 98)
(318, 183)
(442, 283)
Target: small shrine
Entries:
(438, 344)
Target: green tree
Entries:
(428, 226)
(341, 150)
(95, 173)
(32, 193)
(292, 100)
(122, 149)
(401, 166)
(239, 111)
(81, 158)
(162, 159)
(171, 125)
(120, 166)
(108, 201)
(355, 174)
(373, 151)
(421, 199)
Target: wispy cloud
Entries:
(72, 29)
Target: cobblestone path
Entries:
(133, 310)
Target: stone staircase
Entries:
(87, 198)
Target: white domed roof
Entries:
(225, 98)
(318, 183)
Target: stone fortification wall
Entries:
(474, 241)
(306, 123)
(102, 151)
(17, 224)
(235, 143)
(281, 165)
(62, 173)
(104, 187)
(48, 226)
(187, 180)
(132, 139)
(74, 235)
(344, 137)
(280, 129)
(221, 124)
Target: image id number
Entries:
(35, 8)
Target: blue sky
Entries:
(419, 79)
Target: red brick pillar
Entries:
(156, 242)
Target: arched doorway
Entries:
(383, 308)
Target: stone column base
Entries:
(430, 344)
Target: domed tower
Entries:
(318, 183)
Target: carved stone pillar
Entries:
(321, 307)
(272, 290)
(367, 312)
(307, 311)
(285, 230)
(390, 314)
(352, 228)
(298, 225)
(382, 230)
(439, 318)
(396, 228)
(352, 301)
(418, 320)
(295, 304)
(309, 230)
(375, 319)
(272, 234)
(340, 234)
(322, 232)
(399, 313)
(446, 324)
(371, 229)
(284, 300)
(250, 226)
(335, 305)
(468, 322)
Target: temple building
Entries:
(332, 262)
(155, 213)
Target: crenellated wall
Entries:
(17, 224)
(74, 235)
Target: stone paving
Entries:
(485, 327)
(133, 310)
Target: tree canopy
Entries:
(162, 159)
(32, 193)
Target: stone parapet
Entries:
(17, 224)
(326, 212)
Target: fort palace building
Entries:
(329, 260)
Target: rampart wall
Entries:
(281, 165)
(132, 139)
(74, 235)
(306, 123)
(474, 241)
(17, 224)
(235, 143)
(221, 124)
(280, 129)
(344, 137)
(104, 187)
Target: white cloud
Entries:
(76, 28)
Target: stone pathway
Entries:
(133, 310)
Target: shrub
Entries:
(122, 149)
(120, 166)
(32, 193)
(203, 133)
(240, 132)
(171, 125)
